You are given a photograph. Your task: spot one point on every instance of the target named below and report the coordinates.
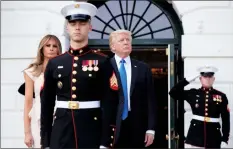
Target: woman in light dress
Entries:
(49, 47)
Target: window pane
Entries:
(153, 22)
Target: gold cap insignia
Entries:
(77, 6)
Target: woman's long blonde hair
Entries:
(37, 66)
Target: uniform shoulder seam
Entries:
(99, 53)
(220, 92)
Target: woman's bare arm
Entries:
(29, 87)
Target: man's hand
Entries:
(149, 139)
(223, 145)
(192, 78)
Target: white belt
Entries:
(206, 119)
(78, 104)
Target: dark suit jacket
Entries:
(142, 101)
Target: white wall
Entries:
(208, 40)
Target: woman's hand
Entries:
(28, 139)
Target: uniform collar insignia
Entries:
(80, 51)
(206, 89)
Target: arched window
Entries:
(143, 18)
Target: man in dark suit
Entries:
(129, 121)
(207, 104)
(79, 80)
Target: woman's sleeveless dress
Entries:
(34, 113)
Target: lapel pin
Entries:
(135, 66)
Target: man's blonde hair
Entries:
(114, 34)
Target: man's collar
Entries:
(206, 89)
(80, 51)
(118, 59)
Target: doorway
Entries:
(154, 25)
(157, 59)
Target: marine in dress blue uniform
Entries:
(209, 107)
(78, 80)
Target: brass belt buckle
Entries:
(207, 119)
(73, 105)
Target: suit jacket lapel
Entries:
(133, 75)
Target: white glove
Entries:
(223, 145)
(191, 79)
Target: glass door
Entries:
(172, 135)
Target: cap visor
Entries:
(207, 74)
(78, 17)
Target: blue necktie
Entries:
(124, 85)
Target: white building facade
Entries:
(207, 40)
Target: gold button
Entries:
(75, 65)
(73, 96)
(59, 76)
(74, 72)
(206, 100)
(73, 88)
(113, 129)
(206, 109)
(112, 137)
(73, 80)
(111, 144)
(80, 51)
(95, 118)
(206, 114)
(206, 105)
(207, 96)
(76, 58)
(196, 100)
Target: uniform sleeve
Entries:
(48, 96)
(177, 92)
(108, 106)
(225, 115)
(152, 108)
